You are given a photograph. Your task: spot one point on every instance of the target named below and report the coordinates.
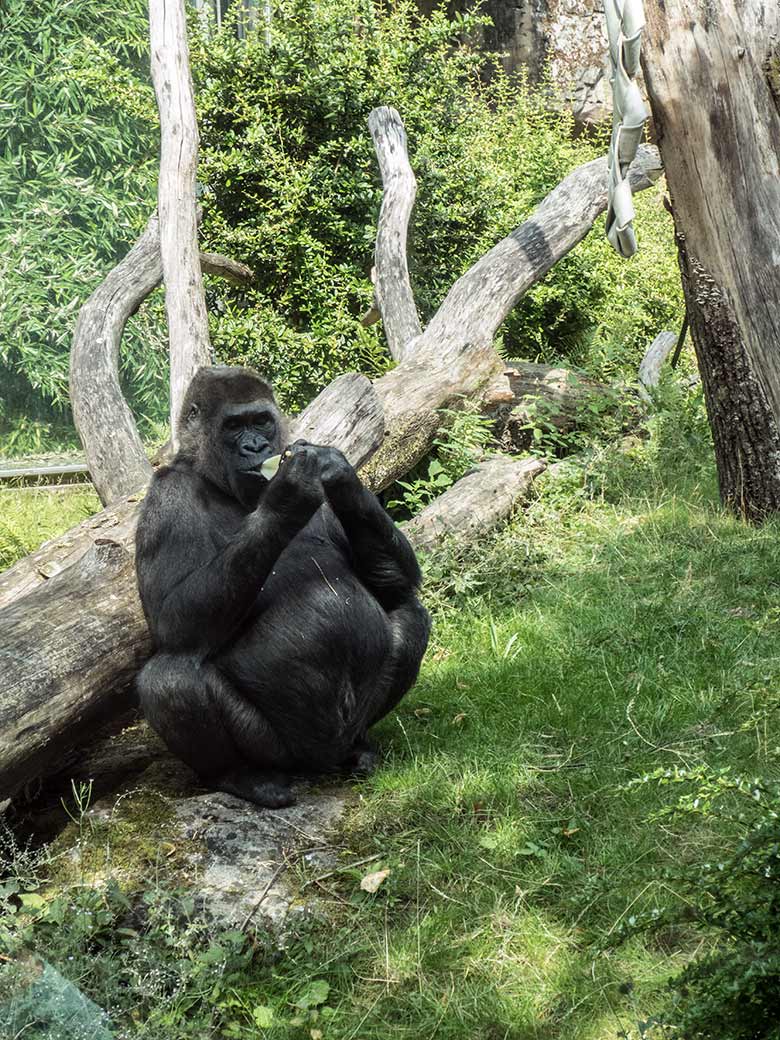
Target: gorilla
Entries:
(284, 613)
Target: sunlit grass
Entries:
(30, 516)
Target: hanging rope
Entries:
(625, 22)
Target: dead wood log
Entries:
(224, 267)
(527, 394)
(649, 374)
(475, 504)
(70, 651)
(185, 301)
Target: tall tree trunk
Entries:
(713, 79)
(185, 302)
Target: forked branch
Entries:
(116, 459)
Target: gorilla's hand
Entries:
(297, 487)
(337, 474)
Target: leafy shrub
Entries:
(291, 187)
(77, 180)
(732, 990)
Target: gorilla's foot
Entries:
(271, 790)
(363, 760)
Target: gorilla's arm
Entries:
(198, 584)
(381, 554)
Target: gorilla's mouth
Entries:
(255, 467)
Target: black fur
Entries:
(284, 614)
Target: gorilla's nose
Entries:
(251, 447)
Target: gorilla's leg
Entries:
(382, 557)
(206, 722)
(410, 626)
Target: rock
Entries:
(236, 860)
(242, 851)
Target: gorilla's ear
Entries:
(193, 413)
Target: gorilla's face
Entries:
(249, 434)
(230, 426)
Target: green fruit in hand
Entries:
(270, 466)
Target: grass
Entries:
(624, 623)
(30, 516)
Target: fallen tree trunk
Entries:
(70, 651)
(475, 504)
(348, 412)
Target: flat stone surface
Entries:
(243, 849)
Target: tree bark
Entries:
(717, 114)
(70, 651)
(113, 449)
(185, 302)
(393, 290)
(475, 504)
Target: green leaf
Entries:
(316, 993)
(263, 1016)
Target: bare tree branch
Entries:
(113, 448)
(185, 303)
(481, 298)
(650, 368)
(224, 267)
(393, 290)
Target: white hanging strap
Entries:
(625, 22)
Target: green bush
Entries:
(77, 182)
(291, 186)
(731, 991)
